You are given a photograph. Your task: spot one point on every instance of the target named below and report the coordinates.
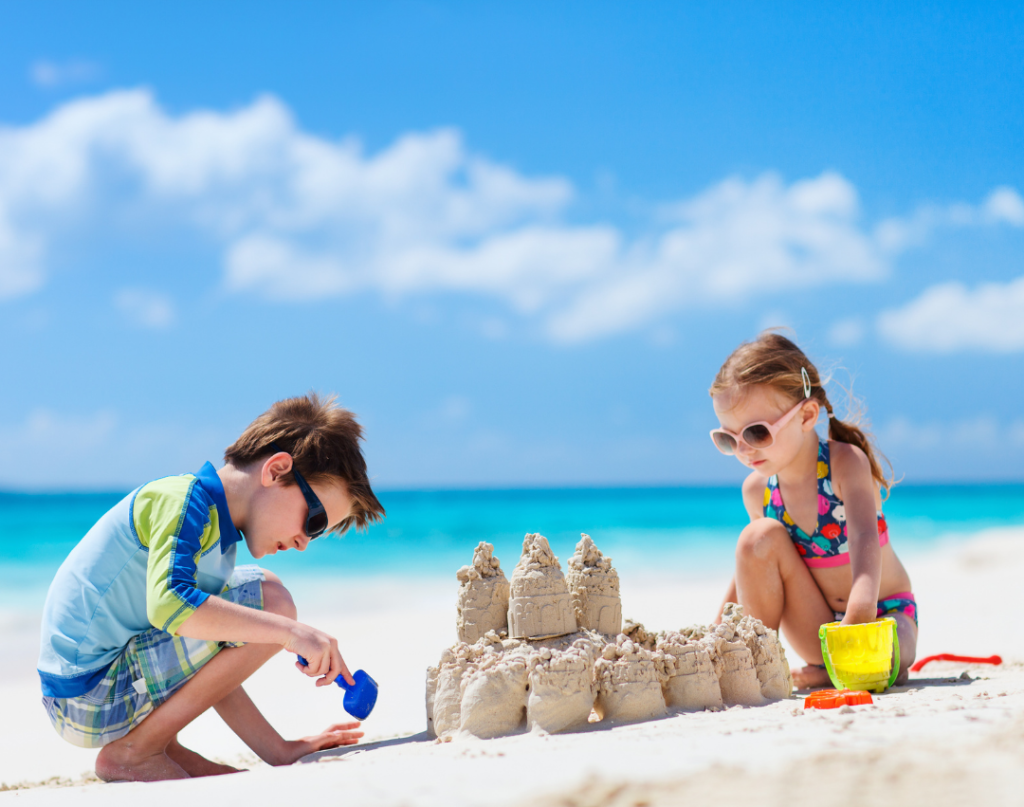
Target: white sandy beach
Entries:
(946, 738)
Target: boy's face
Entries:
(277, 512)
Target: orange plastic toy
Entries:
(834, 698)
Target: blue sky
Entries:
(517, 240)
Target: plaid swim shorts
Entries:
(152, 667)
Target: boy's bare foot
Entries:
(811, 677)
(117, 763)
(195, 764)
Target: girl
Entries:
(817, 549)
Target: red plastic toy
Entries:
(919, 664)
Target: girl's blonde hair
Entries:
(774, 361)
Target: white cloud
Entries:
(848, 332)
(21, 270)
(301, 217)
(50, 74)
(981, 432)
(735, 241)
(951, 317)
(51, 448)
(145, 308)
(1003, 206)
(455, 408)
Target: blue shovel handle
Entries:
(361, 697)
(340, 681)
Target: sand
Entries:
(943, 739)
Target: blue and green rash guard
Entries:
(150, 561)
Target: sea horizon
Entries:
(692, 529)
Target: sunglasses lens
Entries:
(725, 443)
(316, 523)
(757, 436)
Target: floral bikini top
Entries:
(828, 545)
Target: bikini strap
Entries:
(825, 487)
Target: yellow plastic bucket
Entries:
(861, 656)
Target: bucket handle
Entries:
(895, 653)
(825, 658)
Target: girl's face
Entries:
(737, 408)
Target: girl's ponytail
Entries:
(849, 432)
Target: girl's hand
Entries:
(859, 614)
(320, 650)
(337, 735)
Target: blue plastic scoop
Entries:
(361, 697)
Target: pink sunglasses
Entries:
(756, 435)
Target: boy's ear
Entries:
(274, 467)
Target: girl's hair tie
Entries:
(807, 382)
(831, 414)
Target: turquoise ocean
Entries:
(689, 530)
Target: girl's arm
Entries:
(857, 489)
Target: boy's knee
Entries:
(276, 598)
(759, 538)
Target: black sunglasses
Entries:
(316, 515)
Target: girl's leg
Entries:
(774, 585)
(141, 755)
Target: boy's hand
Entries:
(320, 650)
(337, 735)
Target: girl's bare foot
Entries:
(118, 763)
(811, 677)
(195, 764)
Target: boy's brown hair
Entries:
(323, 440)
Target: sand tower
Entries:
(539, 605)
(483, 596)
(594, 587)
(562, 687)
(734, 664)
(770, 662)
(628, 682)
(691, 681)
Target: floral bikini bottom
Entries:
(902, 603)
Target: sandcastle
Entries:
(483, 596)
(773, 673)
(692, 683)
(562, 656)
(562, 687)
(539, 605)
(594, 587)
(629, 682)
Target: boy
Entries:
(134, 647)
